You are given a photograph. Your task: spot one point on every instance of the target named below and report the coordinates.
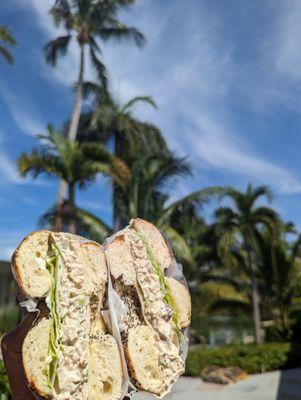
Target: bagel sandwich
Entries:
(157, 307)
(68, 353)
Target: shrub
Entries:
(274, 333)
(9, 317)
(249, 357)
(5, 393)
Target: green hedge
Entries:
(5, 393)
(251, 358)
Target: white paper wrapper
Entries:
(117, 312)
(114, 318)
(30, 305)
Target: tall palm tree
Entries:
(77, 164)
(7, 38)
(280, 273)
(111, 119)
(87, 21)
(240, 224)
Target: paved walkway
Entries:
(285, 385)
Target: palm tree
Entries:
(280, 273)
(6, 37)
(109, 118)
(86, 21)
(77, 164)
(240, 226)
(154, 170)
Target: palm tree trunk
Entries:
(72, 132)
(117, 223)
(256, 311)
(284, 311)
(58, 223)
(256, 314)
(71, 203)
(78, 98)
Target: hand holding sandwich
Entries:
(11, 346)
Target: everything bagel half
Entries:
(157, 307)
(68, 353)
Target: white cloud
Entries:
(24, 112)
(196, 77)
(9, 173)
(223, 151)
(197, 89)
(8, 169)
(30, 200)
(29, 125)
(287, 50)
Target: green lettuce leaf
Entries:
(167, 296)
(54, 337)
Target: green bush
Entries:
(5, 393)
(251, 358)
(274, 333)
(9, 317)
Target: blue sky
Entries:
(225, 74)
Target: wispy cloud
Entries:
(29, 125)
(220, 150)
(8, 170)
(203, 77)
(30, 200)
(9, 173)
(24, 112)
(205, 81)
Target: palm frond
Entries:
(61, 14)
(7, 36)
(224, 214)
(119, 31)
(102, 161)
(56, 47)
(97, 229)
(98, 91)
(137, 99)
(120, 172)
(38, 162)
(260, 191)
(198, 197)
(6, 54)
(166, 170)
(100, 69)
(296, 247)
(180, 247)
